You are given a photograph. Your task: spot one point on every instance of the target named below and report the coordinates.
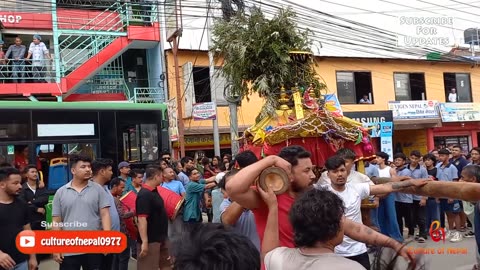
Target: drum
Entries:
(173, 202)
(128, 201)
(275, 177)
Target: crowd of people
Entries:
(316, 223)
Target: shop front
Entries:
(380, 124)
(461, 126)
(412, 120)
(199, 145)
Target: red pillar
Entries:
(430, 140)
(473, 134)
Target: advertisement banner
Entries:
(204, 111)
(332, 104)
(379, 129)
(460, 112)
(417, 109)
(172, 119)
(386, 145)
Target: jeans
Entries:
(477, 231)
(21, 266)
(419, 216)
(387, 218)
(120, 261)
(85, 261)
(433, 212)
(374, 217)
(18, 71)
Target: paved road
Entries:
(437, 261)
(434, 261)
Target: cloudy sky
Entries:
(380, 28)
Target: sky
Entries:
(368, 28)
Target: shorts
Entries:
(450, 207)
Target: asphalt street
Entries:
(434, 260)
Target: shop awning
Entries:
(399, 124)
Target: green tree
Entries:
(256, 54)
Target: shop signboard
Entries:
(204, 111)
(460, 112)
(414, 109)
(379, 124)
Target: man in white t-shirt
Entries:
(352, 195)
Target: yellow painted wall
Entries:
(382, 82)
(246, 113)
(382, 78)
(410, 140)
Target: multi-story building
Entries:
(82, 54)
(408, 93)
(100, 50)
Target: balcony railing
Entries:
(27, 71)
(148, 95)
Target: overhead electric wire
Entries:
(375, 31)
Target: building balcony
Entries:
(84, 42)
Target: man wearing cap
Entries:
(124, 170)
(16, 53)
(2, 63)
(38, 51)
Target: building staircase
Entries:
(87, 45)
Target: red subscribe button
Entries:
(30, 242)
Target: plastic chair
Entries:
(58, 173)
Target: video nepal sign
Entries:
(418, 109)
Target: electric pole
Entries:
(216, 132)
(173, 21)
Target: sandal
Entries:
(475, 267)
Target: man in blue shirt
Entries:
(419, 202)
(403, 201)
(187, 165)
(448, 172)
(170, 182)
(102, 173)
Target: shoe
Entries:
(448, 235)
(417, 237)
(456, 237)
(469, 234)
(421, 240)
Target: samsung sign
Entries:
(370, 116)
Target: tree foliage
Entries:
(256, 57)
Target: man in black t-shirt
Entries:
(152, 221)
(14, 218)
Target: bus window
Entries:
(54, 161)
(140, 143)
(149, 142)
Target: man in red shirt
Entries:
(295, 160)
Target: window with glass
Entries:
(457, 87)
(409, 86)
(354, 87)
(140, 143)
